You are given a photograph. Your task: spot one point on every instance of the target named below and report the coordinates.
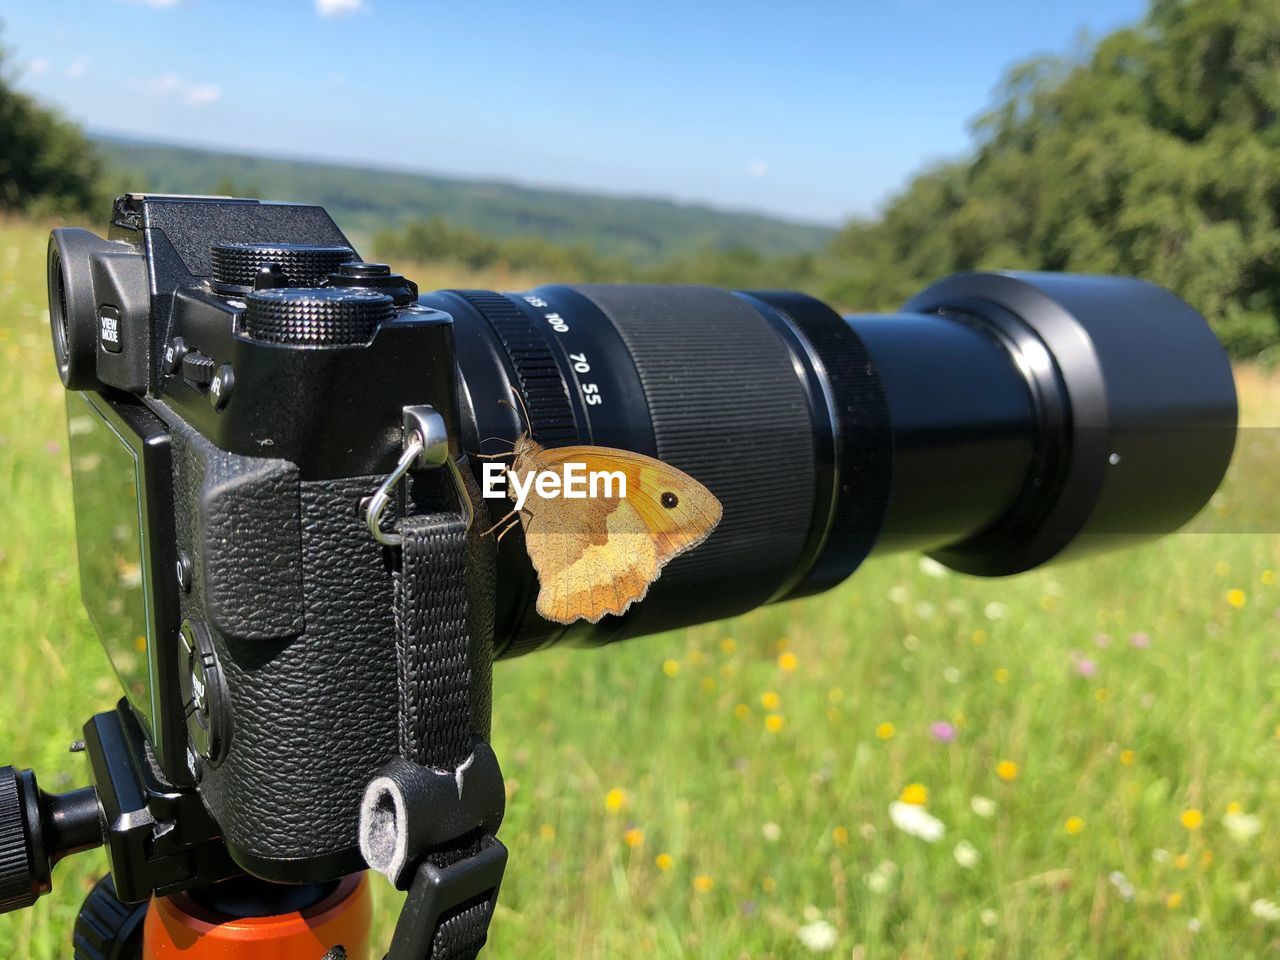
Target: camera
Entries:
(240, 382)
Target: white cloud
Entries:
(172, 85)
(338, 8)
(37, 66)
(78, 68)
(757, 168)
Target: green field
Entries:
(725, 791)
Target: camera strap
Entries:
(429, 817)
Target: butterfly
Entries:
(599, 554)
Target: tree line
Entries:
(1153, 151)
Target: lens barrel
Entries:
(999, 422)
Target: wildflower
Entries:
(1102, 694)
(984, 807)
(1102, 640)
(1235, 806)
(1122, 885)
(1206, 859)
(1001, 675)
(770, 700)
(818, 936)
(926, 610)
(728, 645)
(1191, 819)
(1128, 758)
(881, 878)
(771, 832)
(787, 661)
(1173, 901)
(1086, 667)
(703, 884)
(1236, 597)
(1140, 641)
(1074, 825)
(1182, 861)
(633, 837)
(1242, 826)
(886, 731)
(989, 918)
(916, 821)
(911, 642)
(1193, 925)
(966, 855)
(1268, 577)
(1160, 855)
(899, 594)
(670, 667)
(840, 835)
(915, 794)
(708, 685)
(942, 731)
(615, 800)
(1267, 910)
(835, 695)
(774, 722)
(996, 611)
(768, 884)
(547, 832)
(952, 675)
(742, 711)
(1007, 770)
(978, 637)
(664, 861)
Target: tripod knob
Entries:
(38, 829)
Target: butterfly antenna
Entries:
(524, 411)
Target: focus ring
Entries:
(328, 316)
(303, 264)
(538, 375)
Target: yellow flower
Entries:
(547, 832)
(1102, 694)
(768, 884)
(1206, 859)
(708, 685)
(1268, 577)
(835, 695)
(774, 722)
(615, 800)
(770, 700)
(840, 835)
(633, 837)
(887, 731)
(1182, 861)
(742, 711)
(703, 884)
(833, 714)
(1007, 770)
(787, 661)
(664, 861)
(1173, 901)
(1235, 808)
(728, 645)
(979, 637)
(1001, 675)
(1074, 825)
(1191, 819)
(670, 667)
(916, 794)
(1236, 597)
(1128, 758)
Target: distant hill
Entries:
(640, 229)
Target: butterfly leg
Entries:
(500, 522)
(507, 529)
(493, 456)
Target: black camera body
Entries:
(255, 634)
(238, 386)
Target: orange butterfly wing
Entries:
(597, 556)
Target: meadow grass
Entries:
(724, 790)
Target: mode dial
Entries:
(301, 264)
(324, 316)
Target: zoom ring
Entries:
(541, 383)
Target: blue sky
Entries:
(814, 109)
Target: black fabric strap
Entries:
(435, 675)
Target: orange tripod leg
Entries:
(178, 928)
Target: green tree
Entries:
(1155, 152)
(45, 162)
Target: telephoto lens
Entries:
(1000, 421)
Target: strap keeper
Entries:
(440, 891)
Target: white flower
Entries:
(926, 610)
(984, 807)
(1243, 827)
(1267, 910)
(1193, 924)
(899, 594)
(771, 832)
(818, 936)
(880, 879)
(916, 821)
(1122, 884)
(952, 675)
(996, 610)
(1160, 855)
(966, 854)
(932, 568)
(989, 917)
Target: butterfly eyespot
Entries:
(670, 500)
